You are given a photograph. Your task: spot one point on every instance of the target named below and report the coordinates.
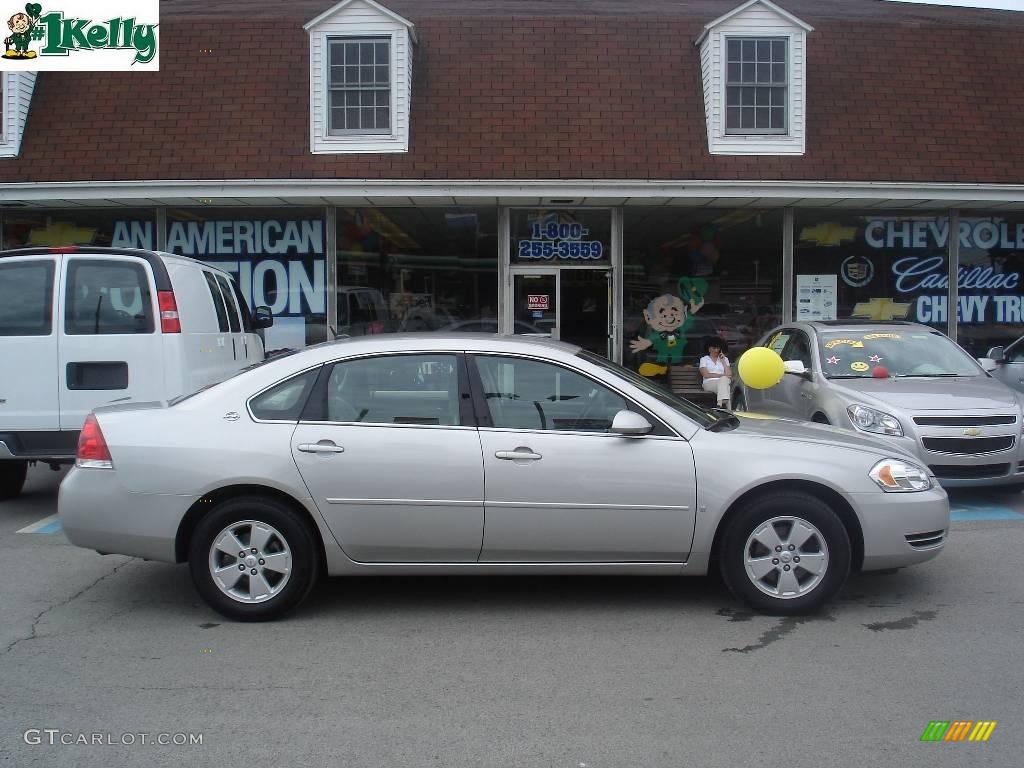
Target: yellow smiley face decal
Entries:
(859, 366)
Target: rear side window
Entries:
(242, 305)
(107, 297)
(284, 401)
(26, 298)
(218, 302)
(232, 307)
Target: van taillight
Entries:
(92, 446)
(169, 320)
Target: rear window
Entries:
(284, 401)
(107, 297)
(26, 298)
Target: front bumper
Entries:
(965, 450)
(97, 512)
(902, 528)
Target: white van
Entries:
(83, 326)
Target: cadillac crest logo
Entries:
(857, 271)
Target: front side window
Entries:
(396, 389)
(527, 394)
(756, 85)
(359, 85)
(798, 348)
(229, 298)
(107, 297)
(26, 298)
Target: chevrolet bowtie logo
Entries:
(972, 432)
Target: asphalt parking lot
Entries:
(531, 671)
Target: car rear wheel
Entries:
(12, 478)
(785, 554)
(253, 559)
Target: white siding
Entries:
(17, 96)
(756, 21)
(358, 19)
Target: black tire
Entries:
(791, 505)
(820, 418)
(292, 535)
(12, 478)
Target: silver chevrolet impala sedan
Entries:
(466, 453)
(905, 382)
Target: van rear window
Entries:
(26, 298)
(107, 297)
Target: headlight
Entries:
(869, 420)
(898, 476)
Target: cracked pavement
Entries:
(489, 671)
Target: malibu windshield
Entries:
(899, 352)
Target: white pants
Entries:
(719, 385)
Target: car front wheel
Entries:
(253, 559)
(785, 554)
(12, 478)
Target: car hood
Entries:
(960, 393)
(762, 425)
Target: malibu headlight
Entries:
(869, 420)
(899, 476)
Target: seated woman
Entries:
(716, 371)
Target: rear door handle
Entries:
(519, 454)
(324, 446)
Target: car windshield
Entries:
(892, 352)
(700, 415)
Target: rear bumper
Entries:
(97, 512)
(39, 446)
(902, 528)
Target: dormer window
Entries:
(753, 63)
(756, 84)
(360, 79)
(360, 85)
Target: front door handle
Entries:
(519, 454)
(324, 446)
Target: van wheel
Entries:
(253, 559)
(785, 554)
(12, 478)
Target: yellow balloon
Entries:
(760, 368)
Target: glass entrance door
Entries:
(568, 304)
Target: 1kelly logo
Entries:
(958, 730)
(68, 40)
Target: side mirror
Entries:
(988, 364)
(997, 354)
(796, 367)
(262, 318)
(630, 423)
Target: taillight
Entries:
(169, 320)
(65, 249)
(92, 446)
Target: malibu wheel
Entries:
(12, 478)
(253, 559)
(785, 554)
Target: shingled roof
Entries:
(566, 89)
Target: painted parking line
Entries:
(47, 525)
(971, 512)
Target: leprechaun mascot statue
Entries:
(21, 25)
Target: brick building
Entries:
(551, 166)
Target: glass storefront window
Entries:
(871, 265)
(121, 227)
(417, 269)
(278, 256)
(691, 274)
(991, 281)
(560, 238)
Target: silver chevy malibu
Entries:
(472, 453)
(906, 382)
